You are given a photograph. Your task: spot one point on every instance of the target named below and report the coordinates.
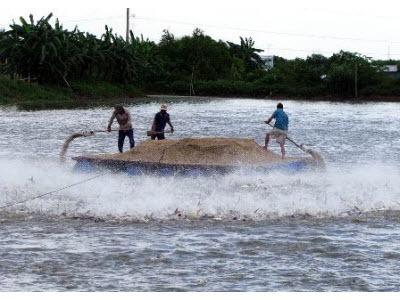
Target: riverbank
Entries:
(33, 96)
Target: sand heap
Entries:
(202, 151)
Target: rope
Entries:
(52, 192)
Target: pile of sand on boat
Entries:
(201, 151)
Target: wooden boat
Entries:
(195, 156)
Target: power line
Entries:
(326, 51)
(281, 33)
(250, 30)
(92, 19)
(343, 12)
(315, 36)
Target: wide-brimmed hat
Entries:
(164, 107)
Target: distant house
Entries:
(391, 71)
(268, 61)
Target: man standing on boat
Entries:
(125, 126)
(280, 128)
(161, 119)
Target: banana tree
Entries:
(246, 51)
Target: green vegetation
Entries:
(81, 94)
(70, 67)
(16, 92)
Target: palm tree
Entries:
(246, 51)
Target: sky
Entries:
(285, 28)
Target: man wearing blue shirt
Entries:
(280, 128)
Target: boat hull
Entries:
(87, 164)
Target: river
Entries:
(331, 231)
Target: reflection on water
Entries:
(239, 232)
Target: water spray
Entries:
(51, 192)
(77, 135)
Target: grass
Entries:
(33, 96)
(101, 89)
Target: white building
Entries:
(390, 69)
(268, 61)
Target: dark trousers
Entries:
(121, 138)
(159, 136)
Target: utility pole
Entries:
(127, 25)
(191, 87)
(356, 80)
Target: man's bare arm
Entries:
(129, 116)
(269, 120)
(111, 120)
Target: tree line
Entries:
(196, 64)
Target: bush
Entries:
(102, 89)
(19, 90)
(380, 90)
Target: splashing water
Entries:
(238, 195)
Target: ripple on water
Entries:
(336, 231)
(395, 255)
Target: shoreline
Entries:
(292, 98)
(88, 102)
(33, 96)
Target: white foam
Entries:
(258, 196)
